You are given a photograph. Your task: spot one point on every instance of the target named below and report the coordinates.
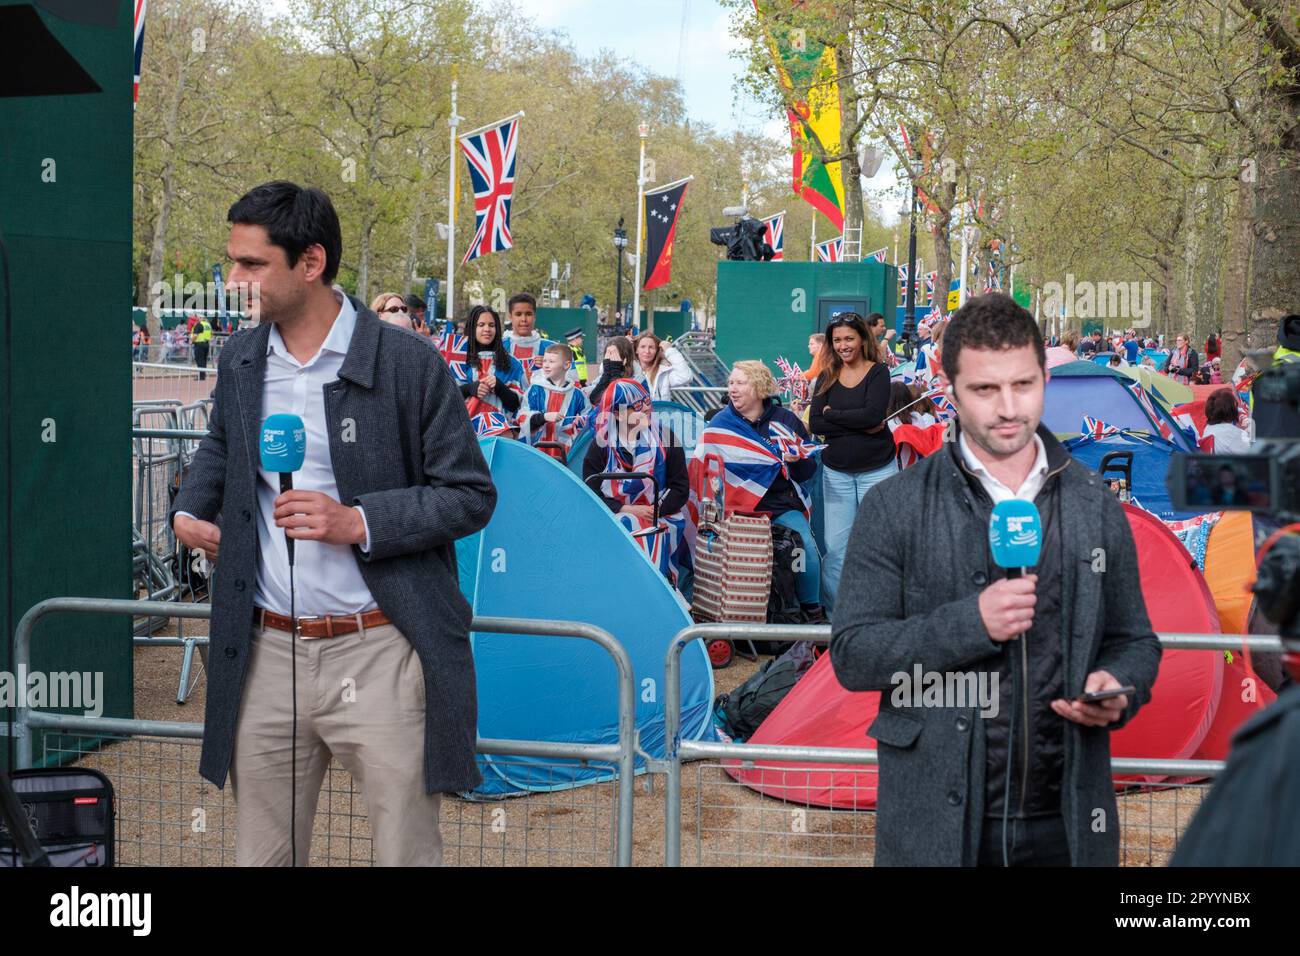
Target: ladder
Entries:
(851, 250)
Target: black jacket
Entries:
(676, 479)
(917, 560)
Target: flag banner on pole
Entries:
(775, 234)
(663, 207)
(808, 75)
(491, 156)
(139, 46)
(879, 255)
(832, 250)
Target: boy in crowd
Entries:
(553, 407)
(522, 341)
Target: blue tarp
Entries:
(553, 550)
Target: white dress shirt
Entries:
(996, 490)
(327, 579)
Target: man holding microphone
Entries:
(392, 475)
(1030, 784)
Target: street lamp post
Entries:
(620, 243)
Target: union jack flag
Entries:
(832, 250)
(491, 155)
(790, 444)
(775, 236)
(902, 282)
(930, 279)
(139, 44)
(879, 254)
(1096, 428)
(944, 409)
(1143, 399)
(751, 461)
(487, 424)
(455, 349)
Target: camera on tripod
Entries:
(746, 241)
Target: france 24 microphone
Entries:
(1015, 536)
(284, 446)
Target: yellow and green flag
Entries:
(808, 74)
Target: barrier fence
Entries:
(153, 382)
(169, 816)
(786, 831)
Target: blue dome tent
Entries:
(1151, 455)
(1082, 388)
(548, 541)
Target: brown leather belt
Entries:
(313, 627)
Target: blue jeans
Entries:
(808, 582)
(842, 491)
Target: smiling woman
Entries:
(850, 402)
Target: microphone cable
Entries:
(293, 684)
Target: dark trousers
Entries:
(201, 358)
(1036, 841)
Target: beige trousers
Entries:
(361, 699)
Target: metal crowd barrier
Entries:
(748, 756)
(153, 382)
(340, 797)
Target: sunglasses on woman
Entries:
(394, 309)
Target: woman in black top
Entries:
(849, 407)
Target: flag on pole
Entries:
(139, 45)
(775, 234)
(663, 207)
(879, 255)
(832, 250)
(491, 156)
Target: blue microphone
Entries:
(1015, 536)
(284, 446)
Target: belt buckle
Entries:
(306, 617)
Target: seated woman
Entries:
(491, 380)
(627, 439)
(768, 456)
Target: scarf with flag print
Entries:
(467, 369)
(752, 461)
(566, 400)
(666, 550)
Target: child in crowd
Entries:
(554, 408)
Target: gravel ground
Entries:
(169, 816)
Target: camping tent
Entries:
(1077, 389)
(1151, 456)
(1186, 716)
(549, 541)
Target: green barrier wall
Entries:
(766, 309)
(65, 211)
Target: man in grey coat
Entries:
(369, 631)
(987, 757)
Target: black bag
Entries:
(71, 811)
(783, 602)
(749, 704)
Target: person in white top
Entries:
(1221, 424)
(661, 365)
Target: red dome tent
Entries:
(1195, 703)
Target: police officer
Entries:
(573, 339)
(1279, 419)
(201, 339)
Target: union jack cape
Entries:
(544, 397)
(470, 369)
(752, 461)
(491, 155)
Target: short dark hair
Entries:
(295, 218)
(990, 321)
(414, 302)
(873, 318)
(1221, 407)
(518, 298)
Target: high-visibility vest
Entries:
(202, 332)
